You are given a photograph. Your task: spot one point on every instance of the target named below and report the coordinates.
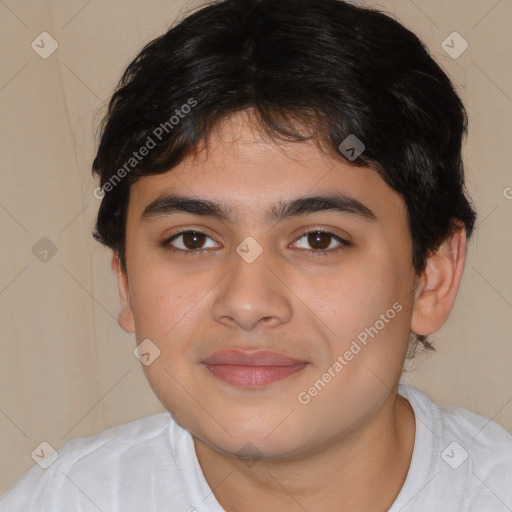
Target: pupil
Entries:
(198, 237)
(314, 237)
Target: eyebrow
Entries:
(169, 204)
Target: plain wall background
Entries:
(67, 369)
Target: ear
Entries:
(439, 284)
(125, 317)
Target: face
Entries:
(327, 285)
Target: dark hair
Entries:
(307, 69)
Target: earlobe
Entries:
(439, 284)
(125, 317)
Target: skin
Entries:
(350, 447)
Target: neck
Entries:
(362, 471)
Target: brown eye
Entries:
(191, 241)
(320, 242)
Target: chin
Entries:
(252, 447)
(252, 441)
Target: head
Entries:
(240, 113)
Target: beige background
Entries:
(67, 369)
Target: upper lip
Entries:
(251, 358)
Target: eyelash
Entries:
(343, 243)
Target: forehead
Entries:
(248, 173)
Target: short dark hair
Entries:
(317, 70)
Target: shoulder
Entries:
(480, 434)
(120, 441)
(471, 454)
(102, 457)
(485, 444)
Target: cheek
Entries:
(160, 293)
(353, 294)
(368, 303)
(167, 309)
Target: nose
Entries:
(253, 294)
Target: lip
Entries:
(251, 358)
(252, 369)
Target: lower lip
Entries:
(252, 376)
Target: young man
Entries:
(284, 197)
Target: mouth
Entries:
(252, 369)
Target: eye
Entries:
(192, 241)
(321, 241)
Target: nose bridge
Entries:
(250, 267)
(251, 291)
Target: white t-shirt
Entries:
(462, 462)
